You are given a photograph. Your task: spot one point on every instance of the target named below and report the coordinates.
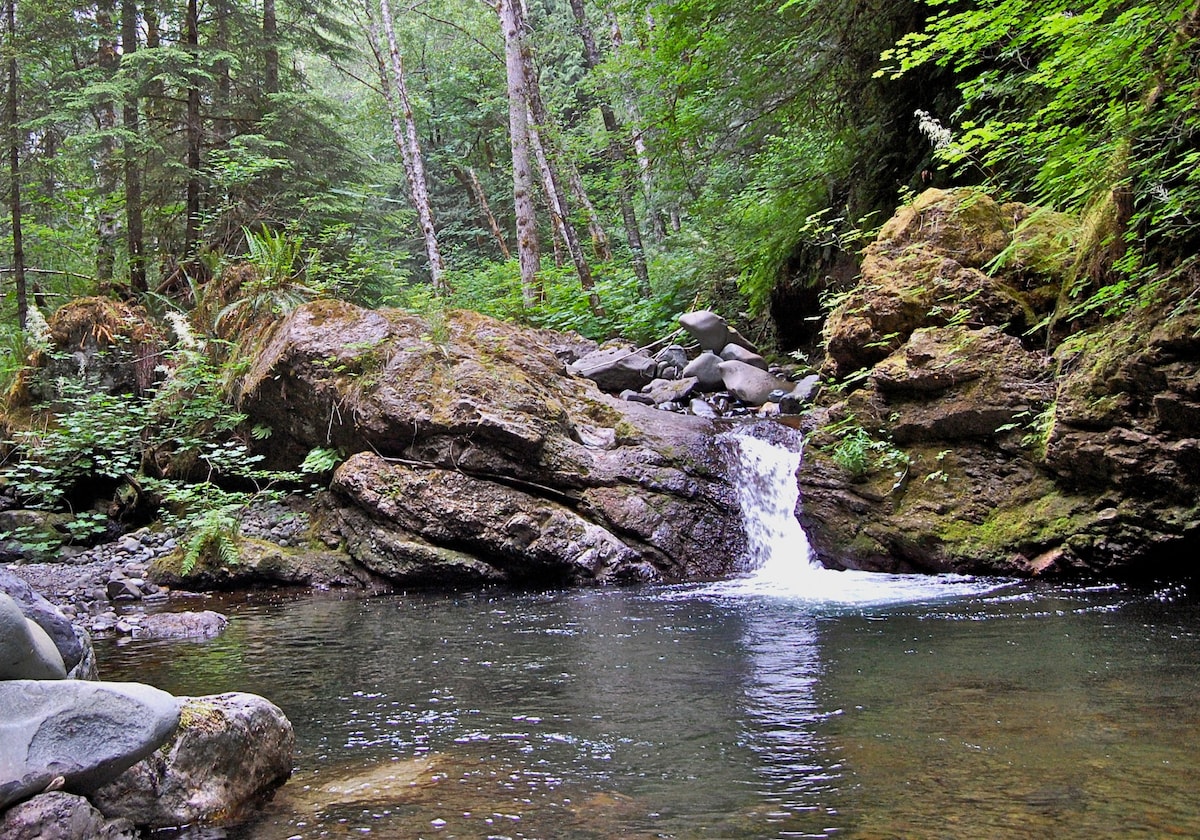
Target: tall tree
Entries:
(14, 163)
(404, 129)
(193, 131)
(515, 49)
(107, 165)
(131, 121)
(617, 152)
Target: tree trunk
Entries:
(540, 118)
(617, 153)
(193, 129)
(14, 167)
(130, 117)
(107, 169)
(528, 252)
(410, 148)
(270, 32)
(471, 180)
(658, 228)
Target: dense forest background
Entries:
(727, 153)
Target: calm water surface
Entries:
(982, 710)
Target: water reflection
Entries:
(700, 713)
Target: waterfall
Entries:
(763, 463)
(764, 476)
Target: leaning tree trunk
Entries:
(528, 252)
(470, 179)
(14, 167)
(540, 118)
(617, 154)
(409, 144)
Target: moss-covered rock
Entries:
(473, 456)
(1018, 462)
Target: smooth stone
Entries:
(72, 644)
(737, 353)
(707, 371)
(701, 408)
(708, 328)
(616, 369)
(749, 384)
(26, 651)
(228, 751)
(668, 391)
(629, 395)
(86, 732)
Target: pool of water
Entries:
(908, 708)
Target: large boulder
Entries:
(61, 816)
(87, 733)
(26, 651)
(749, 383)
(966, 448)
(229, 751)
(616, 369)
(476, 457)
(924, 269)
(73, 643)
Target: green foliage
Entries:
(1093, 105)
(320, 460)
(859, 453)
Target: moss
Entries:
(1029, 526)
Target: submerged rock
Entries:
(61, 816)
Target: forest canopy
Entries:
(590, 165)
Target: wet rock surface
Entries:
(971, 447)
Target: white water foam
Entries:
(780, 560)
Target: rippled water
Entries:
(969, 710)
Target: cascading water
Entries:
(779, 559)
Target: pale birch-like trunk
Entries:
(528, 251)
(14, 166)
(107, 226)
(404, 131)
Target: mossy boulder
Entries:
(472, 454)
(1015, 460)
(924, 270)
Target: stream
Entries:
(793, 703)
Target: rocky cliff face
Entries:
(472, 456)
(988, 446)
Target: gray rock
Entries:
(123, 589)
(616, 369)
(86, 732)
(701, 408)
(26, 651)
(629, 395)
(205, 624)
(229, 750)
(666, 391)
(671, 362)
(801, 394)
(69, 640)
(706, 369)
(740, 340)
(737, 353)
(749, 384)
(61, 816)
(708, 328)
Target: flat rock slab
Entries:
(86, 732)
